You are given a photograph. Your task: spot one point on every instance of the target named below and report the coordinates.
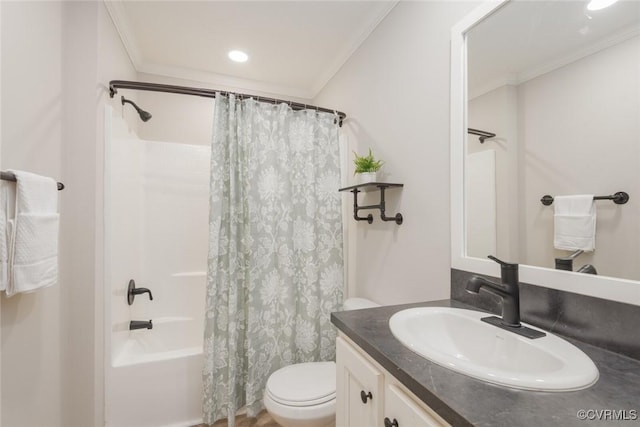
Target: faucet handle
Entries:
(505, 265)
(572, 256)
(132, 291)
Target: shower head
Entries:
(144, 115)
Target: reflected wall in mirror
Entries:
(559, 86)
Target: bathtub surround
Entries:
(608, 324)
(275, 269)
(157, 223)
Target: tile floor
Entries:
(263, 420)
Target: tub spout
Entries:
(140, 324)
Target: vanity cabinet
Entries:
(368, 395)
(359, 388)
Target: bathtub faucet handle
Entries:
(132, 291)
(139, 291)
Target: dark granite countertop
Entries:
(465, 401)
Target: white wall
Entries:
(78, 210)
(480, 203)
(113, 64)
(570, 131)
(176, 118)
(496, 112)
(180, 118)
(54, 59)
(32, 108)
(579, 128)
(395, 90)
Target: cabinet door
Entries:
(359, 388)
(401, 411)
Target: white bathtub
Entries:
(156, 379)
(170, 338)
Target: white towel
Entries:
(33, 234)
(7, 205)
(574, 222)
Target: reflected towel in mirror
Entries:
(574, 222)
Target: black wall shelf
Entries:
(369, 187)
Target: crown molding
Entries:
(350, 49)
(122, 24)
(530, 74)
(123, 27)
(227, 83)
(616, 38)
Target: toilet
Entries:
(304, 394)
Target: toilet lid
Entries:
(303, 384)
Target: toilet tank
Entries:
(358, 303)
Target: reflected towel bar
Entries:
(620, 198)
(8, 176)
(482, 134)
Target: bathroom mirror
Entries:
(558, 85)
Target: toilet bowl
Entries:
(304, 394)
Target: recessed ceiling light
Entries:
(238, 56)
(600, 4)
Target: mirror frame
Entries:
(609, 288)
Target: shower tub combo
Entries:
(156, 215)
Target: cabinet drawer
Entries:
(400, 410)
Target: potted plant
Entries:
(366, 167)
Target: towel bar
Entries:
(481, 133)
(620, 198)
(8, 176)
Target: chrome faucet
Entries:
(509, 291)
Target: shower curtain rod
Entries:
(114, 85)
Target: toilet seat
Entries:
(304, 394)
(303, 384)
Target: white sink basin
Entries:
(457, 339)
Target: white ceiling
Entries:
(294, 47)
(525, 39)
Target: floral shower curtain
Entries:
(275, 267)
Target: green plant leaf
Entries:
(366, 163)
